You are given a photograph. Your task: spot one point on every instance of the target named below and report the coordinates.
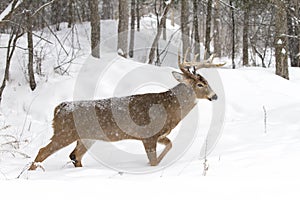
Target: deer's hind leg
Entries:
(168, 145)
(150, 147)
(79, 151)
(56, 144)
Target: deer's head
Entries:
(198, 83)
(190, 77)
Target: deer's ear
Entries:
(178, 76)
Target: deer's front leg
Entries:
(150, 147)
(168, 145)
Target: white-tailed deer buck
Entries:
(175, 104)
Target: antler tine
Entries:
(205, 64)
(195, 58)
(209, 65)
(179, 58)
(205, 53)
(210, 59)
(180, 64)
(183, 64)
(185, 55)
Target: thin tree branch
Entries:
(159, 32)
(42, 7)
(12, 6)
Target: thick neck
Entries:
(186, 97)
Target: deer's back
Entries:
(115, 119)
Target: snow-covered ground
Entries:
(256, 156)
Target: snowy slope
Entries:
(256, 157)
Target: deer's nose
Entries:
(213, 98)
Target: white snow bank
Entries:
(257, 157)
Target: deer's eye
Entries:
(200, 85)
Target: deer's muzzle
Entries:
(213, 98)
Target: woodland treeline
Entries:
(251, 30)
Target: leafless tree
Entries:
(138, 16)
(132, 28)
(29, 31)
(71, 13)
(246, 10)
(293, 13)
(281, 40)
(196, 27)
(95, 28)
(233, 33)
(123, 28)
(107, 10)
(16, 33)
(208, 28)
(217, 26)
(164, 21)
(158, 34)
(184, 22)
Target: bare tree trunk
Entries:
(185, 31)
(233, 34)
(208, 28)
(164, 24)
(260, 55)
(83, 10)
(202, 24)
(158, 34)
(123, 28)
(297, 13)
(245, 36)
(217, 23)
(196, 27)
(132, 30)
(293, 32)
(32, 82)
(9, 53)
(172, 17)
(158, 13)
(12, 43)
(56, 15)
(71, 13)
(138, 17)
(281, 41)
(107, 11)
(95, 28)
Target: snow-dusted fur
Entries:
(150, 118)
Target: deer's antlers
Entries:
(197, 65)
